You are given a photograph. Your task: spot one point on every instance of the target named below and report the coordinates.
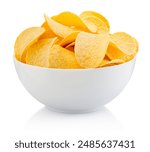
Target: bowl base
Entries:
(67, 111)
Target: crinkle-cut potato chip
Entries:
(70, 19)
(59, 29)
(48, 32)
(70, 45)
(95, 24)
(122, 46)
(90, 49)
(38, 53)
(62, 58)
(26, 39)
(106, 62)
(86, 14)
(69, 39)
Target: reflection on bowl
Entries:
(74, 90)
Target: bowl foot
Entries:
(67, 111)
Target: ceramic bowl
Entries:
(74, 90)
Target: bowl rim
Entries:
(84, 69)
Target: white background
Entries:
(22, 117)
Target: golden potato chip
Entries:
(122, 46)
(137, 45)
(26, 39)
(38, 53)
(69, 39)
(114, 53)
(106, 58)
(62, 58)
(71, 48)
(106, 62)
(48, 32)
(90, 49)
(86, 14)
(95, 24)
(124, 42)
(70, 19)
(59, 29)
(70, 45)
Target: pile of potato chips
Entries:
(69, 41)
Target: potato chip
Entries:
(124, 42)
(122, 46)
(86, 14)
(48, 32)
(62, 58)
(26, 39)
(71, 48)
(59, 29)
(95, 24)
(38, 53)
(90, 49)
(114, 53)
(106, 62)
(70, 19)
(69, 39)
(106, 58)
(137, 45)
(70, 45)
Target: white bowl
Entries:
(74, 90)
